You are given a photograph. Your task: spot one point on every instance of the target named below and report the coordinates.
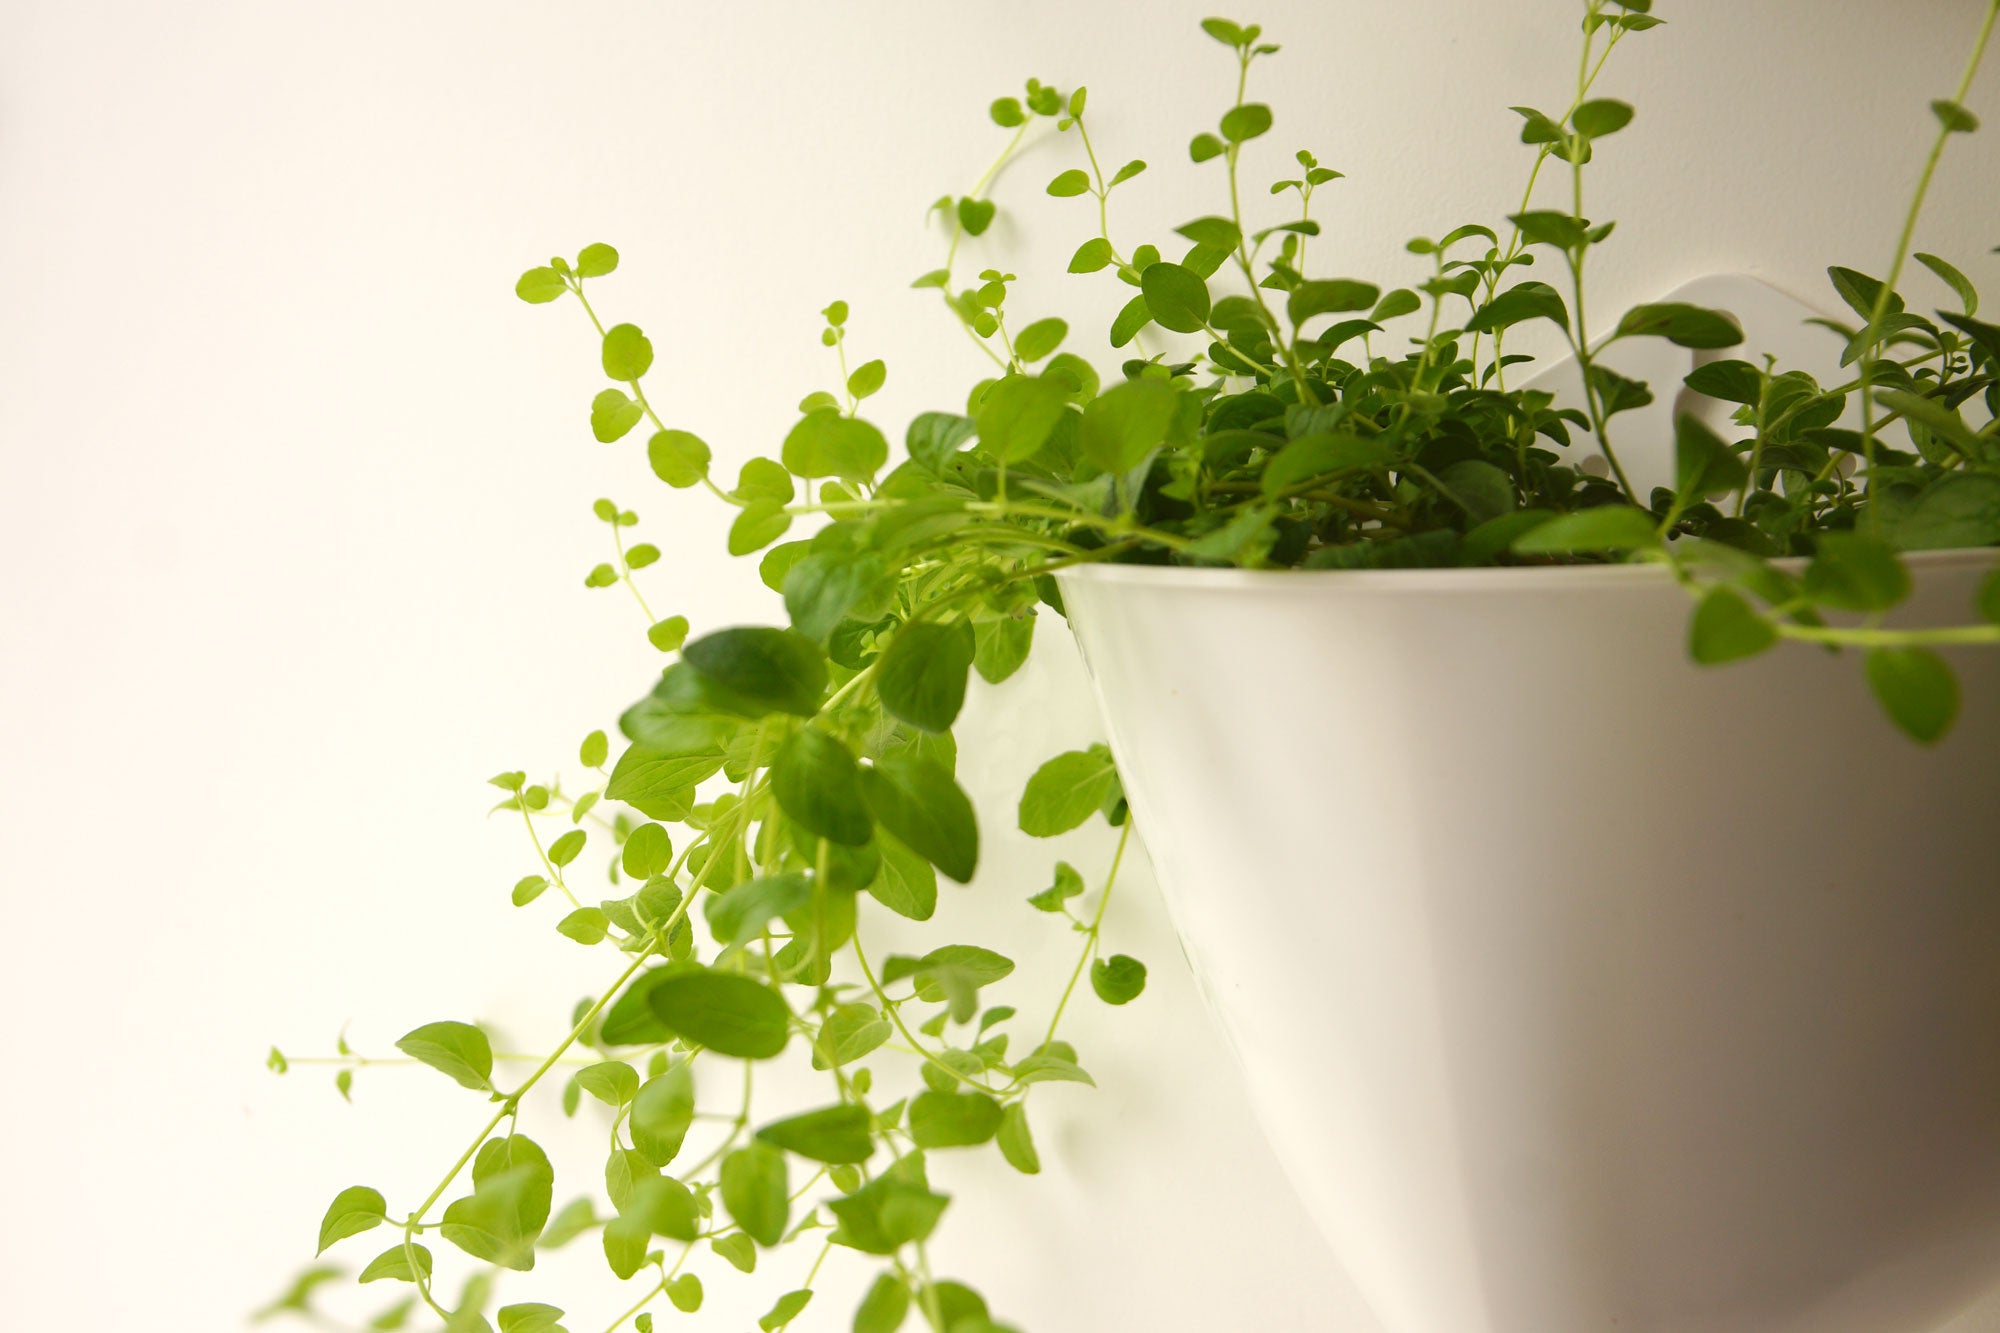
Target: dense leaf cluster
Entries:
(778, 784)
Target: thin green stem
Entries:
(1093, 932)
(550, 870)
(1880, 310)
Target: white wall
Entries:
(296, 515)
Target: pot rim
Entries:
(1491, 578)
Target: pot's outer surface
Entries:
(1580, 988)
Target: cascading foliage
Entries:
(778, 785)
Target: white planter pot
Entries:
(1578, 987)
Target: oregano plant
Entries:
(778, 786)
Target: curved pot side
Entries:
(1578, 987)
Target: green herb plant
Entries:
(778, 785)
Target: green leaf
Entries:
(1127, 172)
(1959, 509)
(760, 523)
(786, 1310)
(1328, 296)
(827, 444)
(662, 1113)
(755, 1192)
(1546, 227)
(458, 1049)
(1604, 528)
(628, 354)
(1726, 628)
(1484, 491)
(726, 1012)
(739, 914)
(1216, 233)
(1001, 646)
(665, 1207)
(1048, 1067)
(1322, 455)
(678, 458)
(1401, 301)
(576, 1217)
(1118, 979)
(850, 1032)
(934, 437)
(1243, 123)
(630, 1020)
(596, 259)
(394, 1264)
(1127, 422)
(1537, 127)
(906, 884)
(975, 215)
(1861, 292)
(565, 849)
(1229, 34)
(1017, 1144)
(1961, 286)
(1517, 305)
(509, 1204)
(1091, 256)
(539, 286)
(1069, 184)
(353, 1211)
(612, 414)
(1068, 884)
(885, 1307)
(648, 851)
(1018, 414)
(532, 1317)
(826, 587)
(818, 784)
(952, 975)
(1176, 297)
(1006, 112)
(1681, 324)
(1917, 688)
(1704, 465)
(625, 1243)
(953, 1119)
(867, 380)
(1731, 381)
(1940, 420)
(659, 784)
(612, 1082)
(832, 1134)
(587, 925)
(1855, 573)
(685, 1293)
(916, 800)
(896, 1208)
(738, 1249)
(922, 674)
(1040, 338)
(762, 670)
(1956, 120)
(1133, 317)
(1601, 116)
(1066, 791)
